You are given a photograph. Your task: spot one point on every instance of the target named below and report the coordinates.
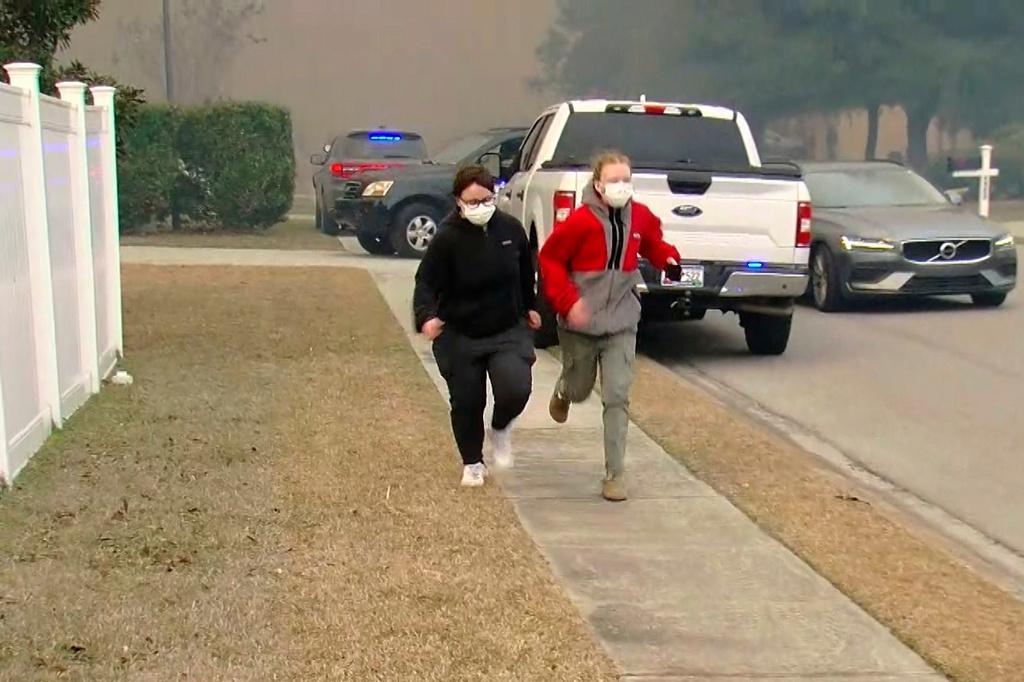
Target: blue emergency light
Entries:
(755, 265)
(385, 137)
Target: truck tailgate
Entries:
(725, 218)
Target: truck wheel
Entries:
(414, 228)
(766, 334)
(374, 245)
(327, 224)
(826, 282)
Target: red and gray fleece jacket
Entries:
(593, 255)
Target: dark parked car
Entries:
(880, 229)
(399, 210)
(354, 153)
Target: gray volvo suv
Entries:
(880, 229)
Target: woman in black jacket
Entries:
(474, 299)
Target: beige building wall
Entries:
(443, 67)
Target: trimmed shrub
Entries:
(239, 161)
(148, 167)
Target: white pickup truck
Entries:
(743, 228)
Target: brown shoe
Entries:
(613, 489)
(558, 408)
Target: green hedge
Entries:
(227, 165)
(148, 168)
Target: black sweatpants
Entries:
(465, 364)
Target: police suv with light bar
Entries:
(743, 227)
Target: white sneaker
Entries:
(502, 442)
(473, 475)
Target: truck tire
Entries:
(766, 334)
(375, 246)
(414, 228)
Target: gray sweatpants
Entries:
(582, 355)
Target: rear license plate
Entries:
(691, 277)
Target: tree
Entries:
(33, 31)
(780, 58)
(205, 36)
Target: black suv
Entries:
(354, 153)
(398, 210)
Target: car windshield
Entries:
(461, 149)
(653, 139)
(871, 187)
(381, 146)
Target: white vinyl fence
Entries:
(60, 284)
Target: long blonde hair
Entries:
(606, 158)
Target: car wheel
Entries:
(327, 224)
(414, 228)
(547, 335)
(374, 245)
(989, 300)
(319, 220)
(766, 334)
(826, 282)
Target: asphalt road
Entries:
(929, 396)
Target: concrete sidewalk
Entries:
(676, 583)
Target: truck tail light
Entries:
(565, 202)
(803, 224)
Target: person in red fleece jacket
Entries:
(588, 268)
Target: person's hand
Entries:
(533, 319)
(432, 328)
(579, 315)
(671, 261)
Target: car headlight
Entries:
(378, 189)
(1005, 242)
(859, 244)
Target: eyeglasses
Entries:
(475, 203)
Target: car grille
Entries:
(945, 285)
(955, 251)
(352, 190)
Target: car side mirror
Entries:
(318, 159)
(955, 196)
(506, 165)
(491, 161)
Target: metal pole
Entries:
(168, 58)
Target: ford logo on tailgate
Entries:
(687, 211)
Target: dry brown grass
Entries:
(275, 498)
(962, 624)
(294, 234)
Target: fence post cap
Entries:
(72, 86)
(24, 75)
(72, 91)
(22, 67)
(103, 89)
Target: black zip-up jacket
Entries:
(479, 281)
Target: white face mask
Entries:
(478, 215)
(617, 194)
